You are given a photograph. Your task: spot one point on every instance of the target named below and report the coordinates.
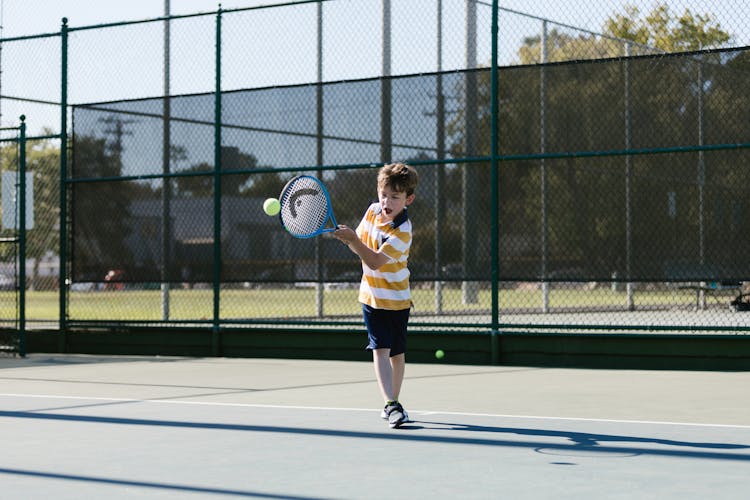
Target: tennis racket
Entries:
(306, 207)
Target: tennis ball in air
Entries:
(271, 206)
(439, 354)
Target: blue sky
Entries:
(114, 64)
(21, 17)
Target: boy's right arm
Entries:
(372, 259)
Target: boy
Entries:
(382, 241)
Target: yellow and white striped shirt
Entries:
(388, 287)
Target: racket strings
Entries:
(304, 207)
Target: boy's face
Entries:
(393, 202)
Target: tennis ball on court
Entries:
(439, 354)
(271, 206)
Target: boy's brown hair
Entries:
(398, 176)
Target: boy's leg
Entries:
(393, 410)
(384, 373)
(398, 366)
(391, 369)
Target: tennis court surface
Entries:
(139, 427)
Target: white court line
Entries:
(411, 411)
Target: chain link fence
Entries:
(615, 198)
(17, 218)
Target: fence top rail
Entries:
(29, 37)
(20, 127)
(219, 10)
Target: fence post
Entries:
(386, 136)
(319, 159)
(701, 178)
(469, 289)
(628, 186)
(215, 332)
(166, 190)
(22, 238)
(63, 271)
(440, 167)
(543, 57)
(494, 195)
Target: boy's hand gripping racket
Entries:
(306, 207)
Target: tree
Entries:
(658, 31)
(584, 109)
(663, 30)
(101, 211)
(43, 161)
(201, 186)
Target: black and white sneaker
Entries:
(384, 414)
(396, 414)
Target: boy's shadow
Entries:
(577, 441)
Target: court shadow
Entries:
(449, 433)
(150, 485)
(574, 440)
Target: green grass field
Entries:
(291, 303)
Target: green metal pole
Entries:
(215, 340)
(495, 235)
(63, 272)
(166, 190)
(22, 239)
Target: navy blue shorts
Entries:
(386, 329)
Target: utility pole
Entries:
(116, 128)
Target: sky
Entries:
(23, 17)
(113, 64)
